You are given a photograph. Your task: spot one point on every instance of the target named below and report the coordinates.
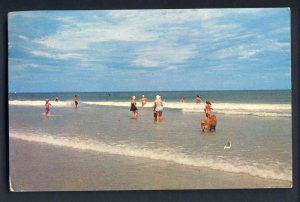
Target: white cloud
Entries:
(172, 68)
(127, 25)
(78, 35)
(163, 55)
(23, 14)
(56, 56)
(144, 62)
(240, 51)
(23, 37)
(17, 65)
(275, 45)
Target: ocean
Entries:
(258, 124)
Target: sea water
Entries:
(256, 123)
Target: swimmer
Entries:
(198, 99)
(182, 99)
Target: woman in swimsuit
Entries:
(133, 108)
(47, 107)
(143, 100)
(158, 107)
(207, 109)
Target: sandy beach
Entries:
(42, 167)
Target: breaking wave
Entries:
(263, 110)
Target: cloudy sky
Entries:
(149, 50)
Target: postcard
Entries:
(149, 99)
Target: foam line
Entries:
(164, 154)
(37, 103)
(264, 110)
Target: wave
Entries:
(37, 103)
(165, 154)
(265, 110)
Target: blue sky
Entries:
(149, 50)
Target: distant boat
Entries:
(15, 92)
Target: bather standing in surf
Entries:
(133, 108)
(47, 107)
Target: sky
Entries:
(149, 50)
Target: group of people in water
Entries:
(158, 106)
(197, 99)
(47, 104)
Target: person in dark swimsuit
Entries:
(133, 108)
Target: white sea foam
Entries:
(164, 154)
(112, 103)
(267, 110)
(39, 103)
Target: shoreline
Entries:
(43, 167)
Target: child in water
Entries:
(207, 109)
(133, 108)
(47, 107)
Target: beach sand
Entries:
(43, 167)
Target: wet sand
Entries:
(43, 167)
